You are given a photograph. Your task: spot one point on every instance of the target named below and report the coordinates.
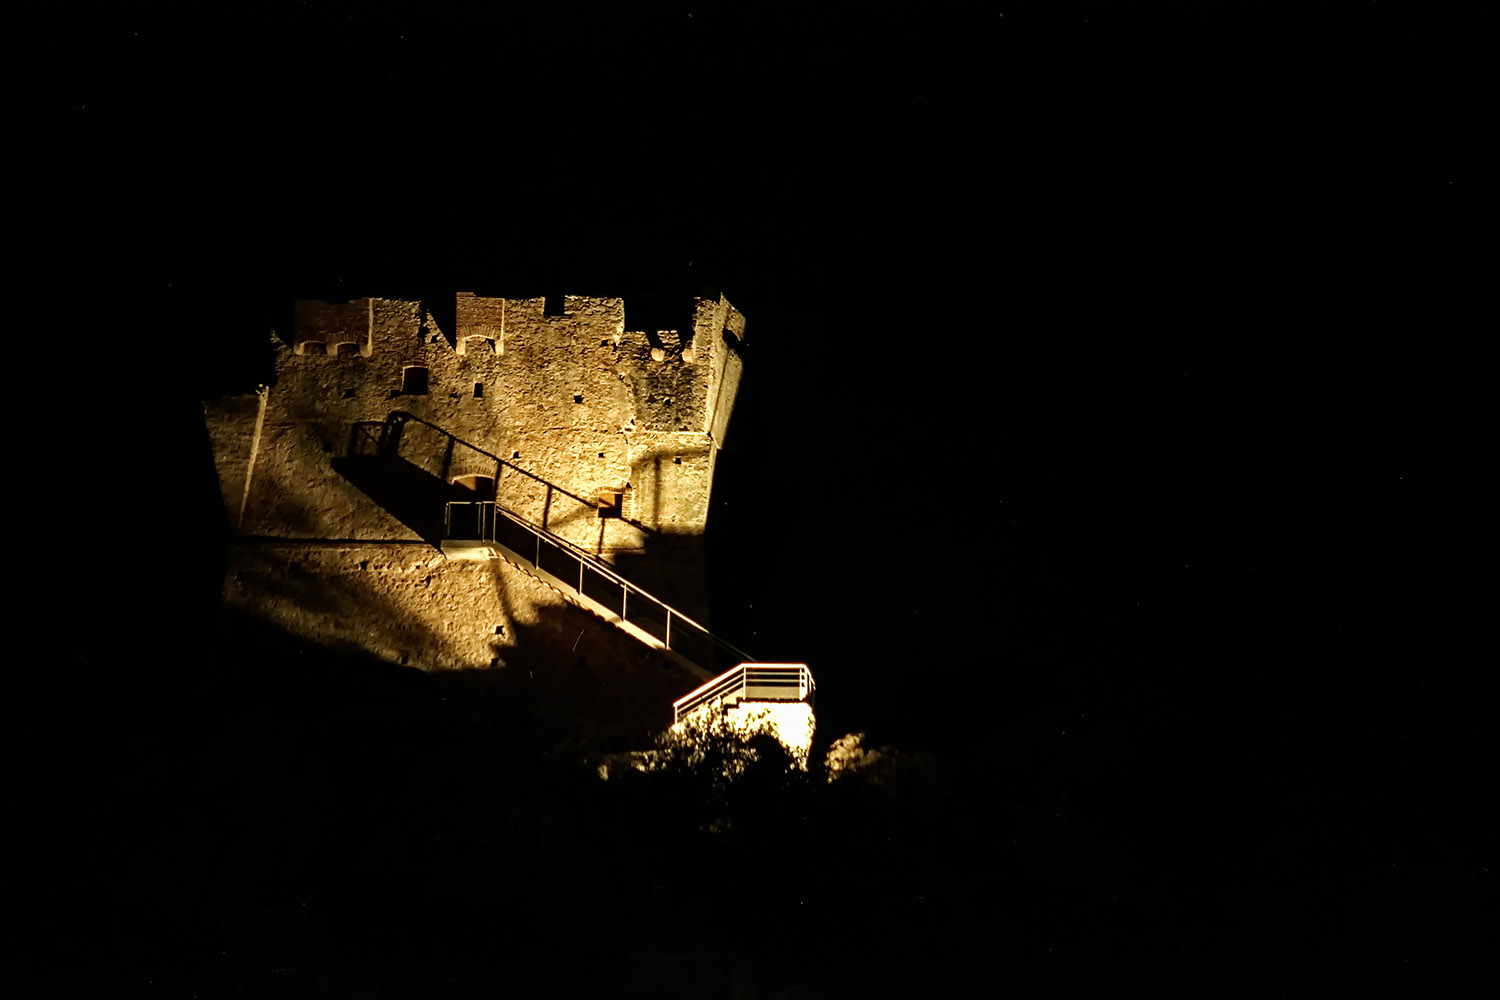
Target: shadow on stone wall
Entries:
(377, 460)
(371, 462)
(391, 439)
(673, 571)
(670, 567)
(561, 678)
(576, 683)
(412, 496)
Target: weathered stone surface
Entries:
(234, 426)
(336, 475)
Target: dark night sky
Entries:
(1105, 359)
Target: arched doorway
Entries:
(470, 513)
(472, 488)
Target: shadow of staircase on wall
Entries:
(588, 582)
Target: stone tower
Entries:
(337, 477)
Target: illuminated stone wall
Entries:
(334, 547)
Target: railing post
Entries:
(486, 523)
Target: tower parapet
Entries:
(324, 328)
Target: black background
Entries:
(1108, 430)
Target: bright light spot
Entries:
(791, 723)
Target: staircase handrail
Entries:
(740, 678)
(598, 565)
(572, 549)
(407, 417)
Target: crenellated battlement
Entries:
(675, 380)
(322, 328)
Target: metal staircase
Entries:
(476, 529)
(748, 682)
